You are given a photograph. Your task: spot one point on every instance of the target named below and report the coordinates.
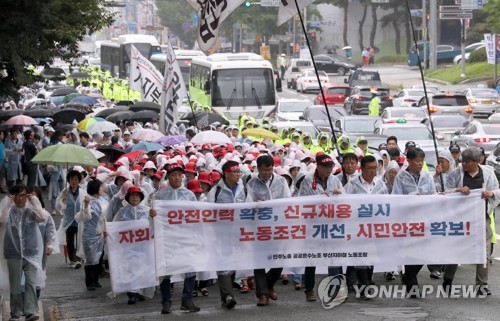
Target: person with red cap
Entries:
(175, 191)
(264, 186)
(194, 186)
(230, 189)
(189, 172)
(134, 209)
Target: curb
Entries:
(438, 81)
(485, 78)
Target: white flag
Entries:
(145, 77)
(211, 13)
(288, 9)
(174, 91)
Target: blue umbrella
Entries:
(84, 100)
(146, 146)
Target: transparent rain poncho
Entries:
(131, 213)
(405, 184)
(355, 186)
(92, 222)
(225, 195)
(258, 190)
(437, 180)
(393, 165)
(116, 202)
(69, 209)
(175, 194)
(309, 187)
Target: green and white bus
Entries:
(234, 85)
(183, 58)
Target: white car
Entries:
(309, 81)
(291, 109)
(470, 48)
(407, 97)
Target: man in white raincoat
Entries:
(463, 179)
(264, 186)
(23, 249)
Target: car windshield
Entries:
(337, 91)
(368, 91)
(360, 125)
(303, 63)
(484, 93)
(416, 93)
(492, 129)
(449, 122)
(366, 75)
(408, 113)
(450, 101)
(409, 133)
(294, 107)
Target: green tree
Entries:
(492, 8)
(35, 32)
(173, 14)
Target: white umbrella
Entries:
(102, 126)
(147, 135)
(96, 153)
(347, 48)
(211, 137)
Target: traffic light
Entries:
(247, 4)
(313, 34)
(428, 17)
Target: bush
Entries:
(391, 59)
(478, 55)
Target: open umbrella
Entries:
(97, 153)
(67, 116)
(144, 115)
(260, 133)
(148, 135)
(21, 120)
(87, 122)
(211, 137)
(124, 103)
(63, 91)
(84, 108)
(171, 140)
(96, 95)
(145, 105)
(118, 117)
(132, 156)
(147, 147)
(110, 111)
(84, 100)
(70, 97)
(79, 74)
(112, 152)
(204, 119)
(39, 112)
(100, 127)
(66, 154)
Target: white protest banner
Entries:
(288, 9)
(145, 77)
(489, 39)
(211, 13)
(343, 230)
(131, 255)
(174, 90)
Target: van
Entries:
(296, 67)
(364, 78)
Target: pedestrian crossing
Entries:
(6, 311)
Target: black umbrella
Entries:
(124, 103)
(84, 108)
(53, 73)
(112, 152)
(4, 115)
(118, 117)
(64, 127)
(63, 91)
(144, 115)
(110, 111)
(67, 116)
(38, 112)
(145, 105)
(78, 74)
(204, 119)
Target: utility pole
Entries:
(433, 34)
(425, 31)
(462, 46)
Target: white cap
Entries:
(126, 132)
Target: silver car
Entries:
(448, 104)
(479, 135)
(407, 97)
(403, 115)
(445, 127)
(485, 101)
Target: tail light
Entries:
(482, 140)
(468, 109)
(389, 97)
(308, 80)
(326, 80)
(433, 109)
(472, 101)
(357, 97)
(408, 100)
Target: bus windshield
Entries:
(242, 87)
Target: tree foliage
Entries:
(36, 31)
(492, 8)
(173, 14)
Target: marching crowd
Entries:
(246, 170)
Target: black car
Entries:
(360, 97)
(334, 64)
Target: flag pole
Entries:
(419, 62)
(319, 81)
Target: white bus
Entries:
(115, 54)
(234, 85)
(183, 57)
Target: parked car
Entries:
(334, 95)
(334, 64)
(308, 81)
(445, 53)
(290, 109)
(317, 115)
(468, 50)
(364, 78)
(406, 114)
(360, 97)
(294, 70)
(407, 97)
(484, 101)
(445, 126)
(494, 159)
(447, 104)
(479, 135)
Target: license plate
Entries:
(487, 102)
(450, 113)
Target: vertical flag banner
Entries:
(288, 9)
(174, 90)
(144, 77)
(489, 39)
(211, 13)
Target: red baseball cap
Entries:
(204, 177)
(194, 186)
(190, 167)
(206, 147)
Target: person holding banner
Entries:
(265, 186)
(413, 181)
(230, 189)
(366, 183)
(321, 181)
(463, 179)
(175, 191)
